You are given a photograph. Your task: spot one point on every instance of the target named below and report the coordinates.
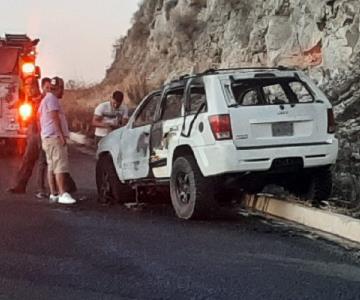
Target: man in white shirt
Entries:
(110, 115)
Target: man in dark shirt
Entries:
(31, 154)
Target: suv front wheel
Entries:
(192, 194)
(110, 188)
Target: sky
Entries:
(76, 36)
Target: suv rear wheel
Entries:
(313, 185)
(110, 188)
(320, 187)
(192, 194)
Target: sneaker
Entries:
(41, 195)
(66, 199)
(53, 198)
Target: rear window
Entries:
(270, 91)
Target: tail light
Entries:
(25, 111)
(28, 68)
(331, 121)
(221, 127)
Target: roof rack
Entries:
(19, 41)
(217, 71)
(214, 71)
(181, 78)
(17, 38)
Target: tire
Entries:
(315, 185)
(320, 187)
(110, 188)
(192, 194)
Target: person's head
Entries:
(45, 84)
(57, 87)
(117, 99)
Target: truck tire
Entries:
(320, 187)
(192, 194)
(110, 188)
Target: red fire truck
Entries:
(18, 86)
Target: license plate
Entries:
(283, 129)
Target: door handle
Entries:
(173, 129)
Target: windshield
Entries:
(268, 91)
(8, 59)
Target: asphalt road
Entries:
(91, 252)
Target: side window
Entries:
(197, 99)
(274, 94)
(147, 111)
(301, 92)
(250, 98)
(246, 93)
(172, 104)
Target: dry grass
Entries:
(137, 89)
(79, 108)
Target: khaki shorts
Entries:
(56, 155)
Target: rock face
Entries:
(174, 37)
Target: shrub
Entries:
(137, 89)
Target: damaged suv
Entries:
(205, 136)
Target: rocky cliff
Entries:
(173, 37)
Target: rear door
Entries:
(273, 112)
(165, 132)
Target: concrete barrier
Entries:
(328, 222)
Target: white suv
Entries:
(205, 135)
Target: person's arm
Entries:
(98, 118)
(55, 115)
(98, 121)
(38, 121)
(125, 116)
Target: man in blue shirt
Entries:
(54, 133)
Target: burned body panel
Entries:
(156, 141)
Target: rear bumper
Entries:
(224, 158)
(12, 135)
